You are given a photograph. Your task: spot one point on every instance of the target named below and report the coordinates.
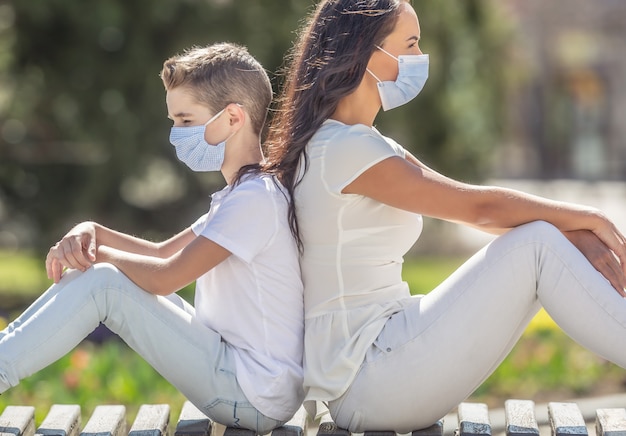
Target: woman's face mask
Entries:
(412, 75)
(194, 151)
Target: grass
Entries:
(544, 364)
(22, 277)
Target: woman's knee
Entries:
(538, 231)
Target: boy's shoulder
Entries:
(259, 184)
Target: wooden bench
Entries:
(565, 419)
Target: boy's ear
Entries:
(236, 114)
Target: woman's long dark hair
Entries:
(326, 64)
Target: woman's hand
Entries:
(600, 256)
(76, 250)
(612, 237)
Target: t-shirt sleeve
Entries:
(349, 155)
(199, 224)
(245, 221)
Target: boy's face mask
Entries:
(194, 151)
(412, 75)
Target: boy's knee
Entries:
(101, 274)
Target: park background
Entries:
(522, 93)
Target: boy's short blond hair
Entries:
(220, 74)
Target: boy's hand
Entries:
(77, 250)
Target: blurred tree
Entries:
(455, 123)
(83, 128)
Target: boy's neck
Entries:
(244, 150)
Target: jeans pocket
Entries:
(223, 411)
(377, 350)
(240, 414)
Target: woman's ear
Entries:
(236, 115)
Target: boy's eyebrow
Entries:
(179, 115)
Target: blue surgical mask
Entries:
(194, 151)
(412, 75)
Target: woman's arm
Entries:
(77, 249)
(398, 183)
(163, 276)
(410, 185)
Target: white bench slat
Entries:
(17, 420)
(328, 427)
(192, 422)
(151, 420)
(474, 419)
(434, 430)
(296, 426)
(61, 420)
(106, 421)
(520, 418)
(236, 431)
(611, 422)
(566, 419)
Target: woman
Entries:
(381, 359)
(238, 354)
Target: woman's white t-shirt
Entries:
(253, 299)
(353, 255)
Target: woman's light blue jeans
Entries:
(435, 353)
(163, 330)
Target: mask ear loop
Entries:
(214, 117)
(373, 75)
(235, 132)
(386, 52)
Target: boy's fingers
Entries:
(91, 252)
(73, 256)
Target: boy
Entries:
(237, 355)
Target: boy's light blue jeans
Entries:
(435, 353)
(162, 330)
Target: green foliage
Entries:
(424, 273)
(92, 375)
(546, 365)
(83, 128)
(22, 277)
(455, 123)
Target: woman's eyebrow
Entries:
(413, 38)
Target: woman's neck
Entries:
(357, 108)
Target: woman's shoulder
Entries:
(340, 139)
(338, 130)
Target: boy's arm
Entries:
(163, 276)
(77, 249)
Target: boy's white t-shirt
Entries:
(253, 299)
